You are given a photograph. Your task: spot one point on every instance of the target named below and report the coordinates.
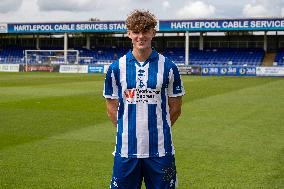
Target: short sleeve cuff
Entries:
(110, 97)
(177, 95)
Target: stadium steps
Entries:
(268, 59)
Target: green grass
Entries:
(54, 132)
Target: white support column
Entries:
(65, 47)
(37, 41)
(186, 48)
(201, 41)
(265, 41)
(88, 41)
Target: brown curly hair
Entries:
(140, 20)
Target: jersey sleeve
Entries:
(175, 87)
(110, 84)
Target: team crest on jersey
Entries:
(137, 95)
(141, 73)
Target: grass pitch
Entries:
(54, 132)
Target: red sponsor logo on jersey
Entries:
(129, 93)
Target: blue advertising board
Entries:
(96, 69)
(228, 71)
(223, 25)
(268, 24)
(118, 26)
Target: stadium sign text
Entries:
(95, 69)
(270, 71)
(68, 27)
(228, 71)
(73, 69)
(9, 67)
(269, 24)
(222, 25)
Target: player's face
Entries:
(142, 40)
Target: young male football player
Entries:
(143, 92)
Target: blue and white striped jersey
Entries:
(144, 126)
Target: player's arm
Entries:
(175, 108)
(112, 107)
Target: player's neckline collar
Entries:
(153, 55)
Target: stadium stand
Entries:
(218, 57)
(100, 55)
(12, 55)
(16, 55)
(279, 58)
(176, 54)
(214, 57)
(226, 56)
(109, 53)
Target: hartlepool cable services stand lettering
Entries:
(44, 27)
(227, 24)
(71, 27)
